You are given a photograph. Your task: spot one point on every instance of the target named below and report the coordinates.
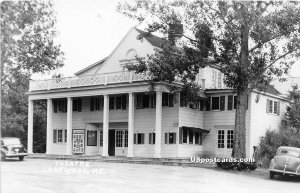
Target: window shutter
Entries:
(55, 106)
(124, 102)
(54, 135)
(166, 138)
(150, 142)
(208, 104)
(92, 104)
(65, 105)
(278, 108)
(230, 99)
(180, 135)
(201, 105)
(174, 140)
(267, 106)
(134, 138)
(171, 100)
(79, 104)
(222, 103)
(143, 138)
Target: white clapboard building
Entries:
(106, 110)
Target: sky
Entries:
(89, 30)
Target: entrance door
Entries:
(111, 143)
(121, 142)
(224, 142)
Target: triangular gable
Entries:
(91, 69)
(127, 44)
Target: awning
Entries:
(196, 129)
(202, 95)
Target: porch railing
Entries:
(83, 81)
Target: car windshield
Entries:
(290, 153)
(11, 141)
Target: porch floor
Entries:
(120, 159)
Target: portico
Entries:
(65, 137)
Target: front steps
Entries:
(185, 162)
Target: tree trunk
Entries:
(239, 147)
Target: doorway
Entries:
(111, 143)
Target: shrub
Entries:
(237, 166)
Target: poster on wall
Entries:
(78, 141)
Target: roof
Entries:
(272, 90)
(91, 66)
(152, 39)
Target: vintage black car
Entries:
(11, 147)
(285, 162)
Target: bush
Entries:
(237, 166)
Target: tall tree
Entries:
(27, 46)
(250, 42)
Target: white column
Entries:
(30, 127)
(158, 118)
(69, 126)
(49, 127)
(105, 125)
(130, 124)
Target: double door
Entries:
(118, 142)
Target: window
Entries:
(215, 103)
(153, 100)
(60, 105)
(111, 102)
(214, 77)
(146, 101)
(77, 103)
(184, 135)
(151, 138)
(273, 107)
(167, 99)
(170, 138)
(101, 138)
(230, 139)
(119, 138)
(191, 137)
(139, 138)
(91, 138)
(139, 101)
(96, 103)
(221, 138)
(198, 138)
(66, 136)
(59, 135)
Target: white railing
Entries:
(83, 81)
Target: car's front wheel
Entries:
(21, 158)
(272, 175)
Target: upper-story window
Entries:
(60, 105)
(273, 107)
(149, 100)
(77, 103)
(96, 103)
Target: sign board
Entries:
(78, 141)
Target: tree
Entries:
(250, 42)
(27, 46)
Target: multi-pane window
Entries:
(59, 136)
(148, 100)
(190, 136)
(91, 138)
(119, 138)
(219, 80)
(139, 138)
(101, 138)
(96, 103)
(151, 138)
(214, 76)
(66, 136)
(111, 102)
(215, 103)
(60, 105)
(77, 103)
(184, 135)
(170, 138)
(167, 99)
(121, 102)
(273, 107)
(221, 138)
(229, 138)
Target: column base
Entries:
(105, 155)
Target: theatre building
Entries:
(106, 110)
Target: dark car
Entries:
(11, 147)
(285, 162)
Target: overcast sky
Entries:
(89, 30)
